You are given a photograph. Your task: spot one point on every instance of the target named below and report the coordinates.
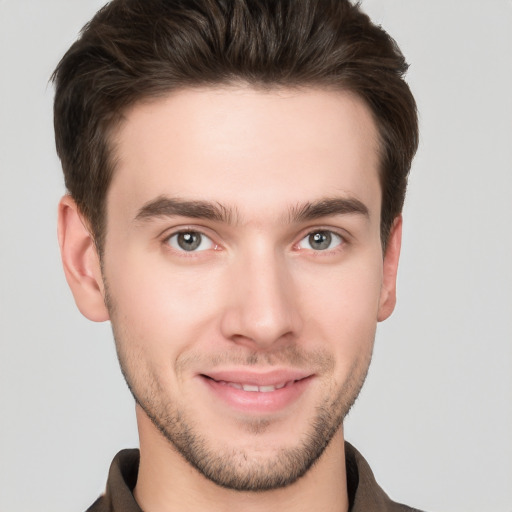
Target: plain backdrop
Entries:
(435, 417)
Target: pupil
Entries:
(320, 240)
(189, 241)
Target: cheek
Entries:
(341, 305)
(162, 306)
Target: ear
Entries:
(81, 261)
(388, 291)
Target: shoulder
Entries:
(100, 505)
(122, 478)
(364, 491)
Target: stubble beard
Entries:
(231, 467)
(235, 468)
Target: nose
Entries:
(261, 308)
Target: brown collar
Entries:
(364, 493)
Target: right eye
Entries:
(190, 241)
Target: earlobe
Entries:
(81, 261)
(388, 291)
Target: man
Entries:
(236, 172)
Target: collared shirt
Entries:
(364, 493)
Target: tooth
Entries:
(249, 387)
(253, 388)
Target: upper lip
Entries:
(258, 378)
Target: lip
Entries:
(257, 392)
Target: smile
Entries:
(254, 393)
(252, 388)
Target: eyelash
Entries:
(342, 241)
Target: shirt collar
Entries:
(363, 491)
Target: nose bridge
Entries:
(262, 310)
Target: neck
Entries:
(166, 482)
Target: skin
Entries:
(256, 297)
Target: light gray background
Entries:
(435, 417)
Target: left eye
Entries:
(190, 241)
(320, 241)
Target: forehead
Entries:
(256, 150)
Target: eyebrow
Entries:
(327, 207)
(164, 206)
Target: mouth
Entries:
(254, 388)
(257, 393)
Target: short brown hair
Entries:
(136, 49)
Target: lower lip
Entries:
(257, 401)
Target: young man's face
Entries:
(245, 275)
